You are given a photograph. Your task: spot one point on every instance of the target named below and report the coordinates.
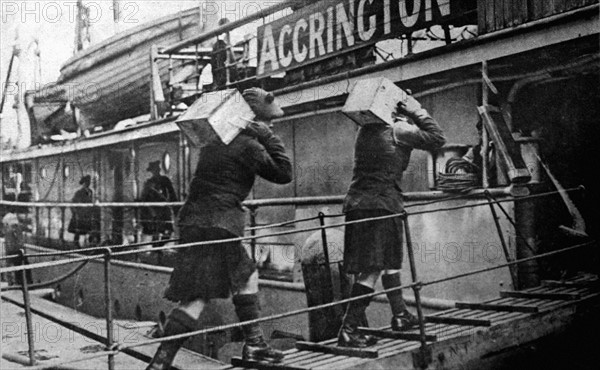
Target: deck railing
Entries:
(107, 253)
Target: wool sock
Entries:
(395, 297)
(247, 308)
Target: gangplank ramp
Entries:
(463, 337)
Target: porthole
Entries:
(44, 173)
(66, 171)
(166, 161)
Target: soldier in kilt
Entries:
(382, 153)
(213, 211)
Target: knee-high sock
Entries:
(396, 301)
(247, 308)
(355, 312)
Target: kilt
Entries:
(372, 246)
(209, 271)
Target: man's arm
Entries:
(270, 160)
(426, 134)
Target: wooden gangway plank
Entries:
(549, 295)
(498, 307)
(501, 323)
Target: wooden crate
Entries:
(373, 101)
(222, 113)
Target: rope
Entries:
(48, 283)
(92, 249)
(457, 182)
(288, 232)
(282, 224)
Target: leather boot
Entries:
(402, 319)
(178, 323)
(259, 350)
(255, 347)
(349, 335)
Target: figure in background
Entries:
(12, 187)
(213, 211)
(382, 153)
(157, 222)
(13, 243)
(84, 220)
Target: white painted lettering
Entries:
(299, 56)
(315, 32)
(284, 59)
(365, 35)
(387, 25)
(409, 20)
(344, 23)
(268, 52)
(330, 30)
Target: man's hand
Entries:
(259, 130)
(409, 107)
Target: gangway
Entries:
(469, 333)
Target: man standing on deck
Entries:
(213, 211)
(84, 220)
(157, 222)
(382, 153)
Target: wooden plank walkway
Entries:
(456, 337)
(464, 334)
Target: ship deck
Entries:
(463, 337)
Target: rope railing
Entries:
(93, 249)
(120, 347)
(281, 233)
(352, 299)
(253, 204)
(433, 196)
(416, 284)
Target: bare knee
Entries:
(193, 308)
(251, 286)
(368, 279)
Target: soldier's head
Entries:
(154, 167)
(85, 180)
(262, 103)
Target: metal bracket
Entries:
(422, 358)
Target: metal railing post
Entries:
(108, 308)
(253, 232)
(27, 303)
(325, 246)
(425, 353)
(511, 268)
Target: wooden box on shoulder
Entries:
(373, 101)
(222, 113)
